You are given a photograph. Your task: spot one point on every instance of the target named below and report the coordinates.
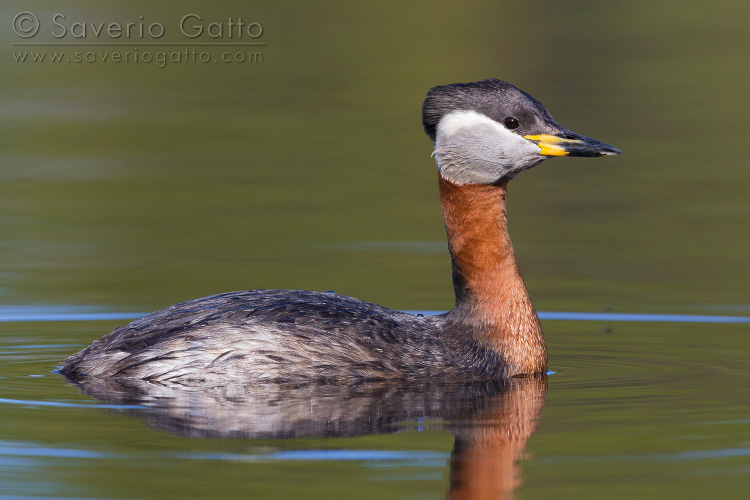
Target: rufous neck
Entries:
(491, 297)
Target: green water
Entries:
(131, 187)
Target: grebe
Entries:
(484, 133)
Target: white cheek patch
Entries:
(471, 148)
(456, 121)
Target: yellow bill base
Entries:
(550, 144)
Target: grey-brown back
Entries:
(283, 335)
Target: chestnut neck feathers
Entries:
(491, 298)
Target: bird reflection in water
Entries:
(491, 421)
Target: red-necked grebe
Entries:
(484, 134)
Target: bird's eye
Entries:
(510, 123)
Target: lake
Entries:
(293, 156)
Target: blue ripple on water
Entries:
(633, 317)
(61, 404)
(666, 318)
(323, 455)
(24, 449)
(86, 313)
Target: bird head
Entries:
(489, 131)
